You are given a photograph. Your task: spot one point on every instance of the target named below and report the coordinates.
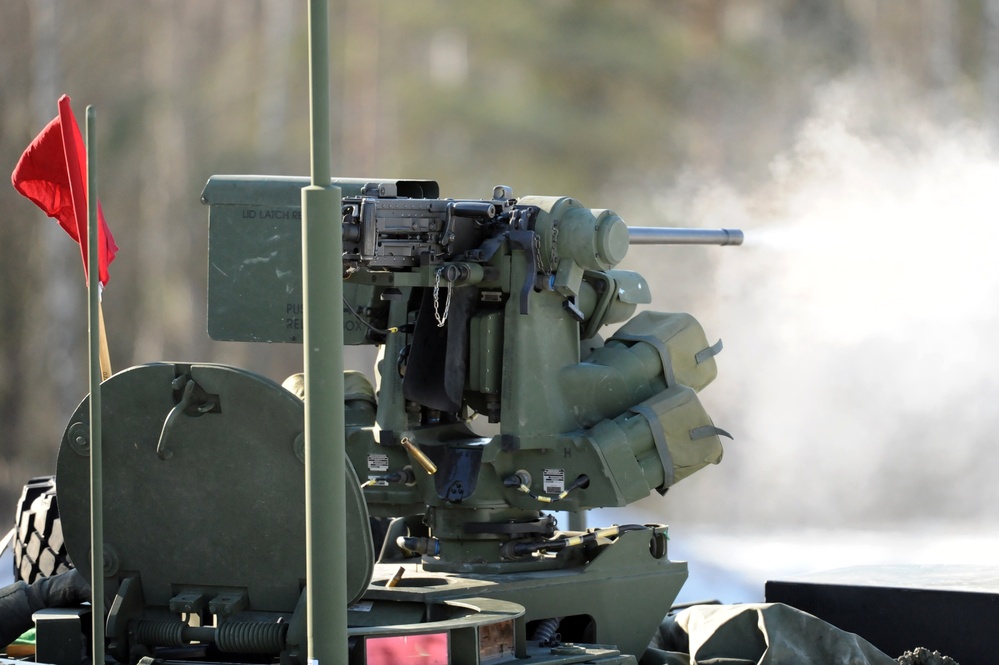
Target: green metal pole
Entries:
(325, 495)
(93, 334)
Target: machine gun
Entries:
(490, 307)
(496, 306)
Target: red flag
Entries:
(52, 172)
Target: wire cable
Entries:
(370, 327)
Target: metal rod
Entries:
(577, 521)
(319, 91)
(96, 461)
(322, 286)
(656, 235)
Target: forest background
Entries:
(853, 140)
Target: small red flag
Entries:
(52, 172)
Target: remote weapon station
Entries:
(483, 310)
(497, 402)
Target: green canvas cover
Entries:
(683, 348)
(684, 435)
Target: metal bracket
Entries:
(194, 402)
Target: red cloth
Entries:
(52, 172)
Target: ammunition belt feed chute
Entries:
(497, 401)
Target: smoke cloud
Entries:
(860, 322)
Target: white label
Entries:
(374, 482)
(554, 481)
(378, 462)
(360, 606)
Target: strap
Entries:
(708, 430)
(709, 352)
(659, 436)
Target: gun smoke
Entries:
(859, 320)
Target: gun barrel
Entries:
(657, 235)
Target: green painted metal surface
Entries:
(210, 499)
(622, 592)
(255, 256)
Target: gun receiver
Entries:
(383, 231)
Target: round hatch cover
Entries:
(204, 487)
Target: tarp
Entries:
(756, 634)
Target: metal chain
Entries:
(553, 258)
(537, 255)
(441, 318)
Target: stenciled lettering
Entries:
(273, 213)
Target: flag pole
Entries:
(105, 356)
(94, 334)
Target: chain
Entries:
(441, 318)
(537, 254)
(553, 258)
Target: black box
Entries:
(950, 609)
